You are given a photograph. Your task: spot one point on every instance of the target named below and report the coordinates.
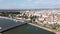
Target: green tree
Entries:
(26, 17)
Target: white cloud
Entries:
(29, 0)
(30, 4)
(41, 2)
(1, 0)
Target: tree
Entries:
(32, 17)
(26, 17)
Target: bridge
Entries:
(7, 28)
(7, 23)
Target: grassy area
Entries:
(54, 27)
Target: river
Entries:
(23, 29)
(27, 29)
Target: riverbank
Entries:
(33, 25)
(44, 28)
(16, 20)
(5, 17)
(41, 27)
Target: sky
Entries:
(29, 4)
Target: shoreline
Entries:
(33, 25)
(42, 27)
(5, 18)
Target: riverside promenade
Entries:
(41, 27)
(44, 28)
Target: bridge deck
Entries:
(8, 24)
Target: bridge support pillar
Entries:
(1, 33)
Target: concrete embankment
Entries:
(41, 27)
(44, 28)
(5, 18)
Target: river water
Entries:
(23, 29)
(27, 29)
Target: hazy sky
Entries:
(29, 4)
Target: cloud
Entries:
(1, 0)
(39, 3)
(29, 0)
(47, 3)
(29, 3)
